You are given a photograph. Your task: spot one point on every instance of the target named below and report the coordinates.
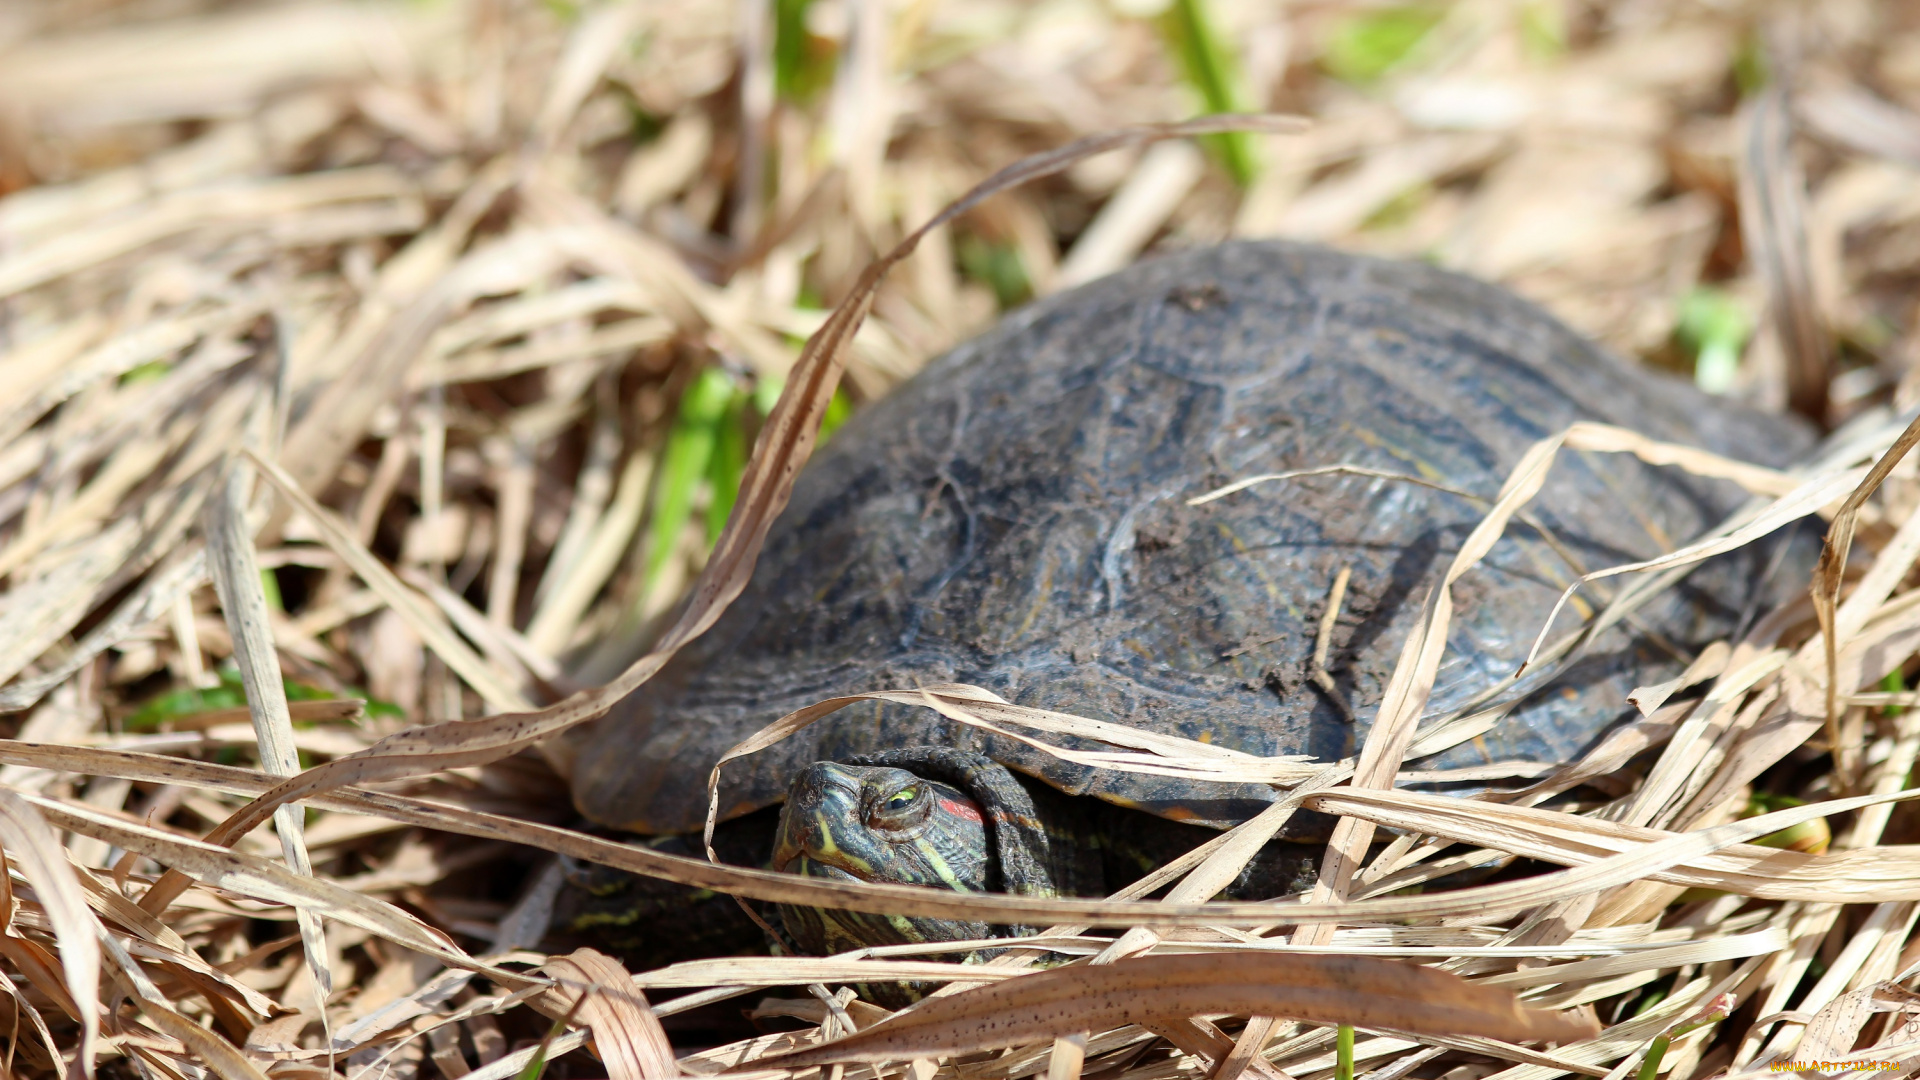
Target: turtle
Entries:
(1021, 516)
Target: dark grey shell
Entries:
(1015, 517)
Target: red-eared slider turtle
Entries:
(1016, 517)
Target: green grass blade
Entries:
(766, 394)
(1650, 1065)
(1543, 30)
(802, 64)
(1714, 325)
(728, 464)
(728, 459)
(839, 408)
(1808, 836)
(996, 265)
(684, 464)
(1211, 71)
(1362, 48)
(271, 586)
(151, 371)
(168, 706)
(538, 1063)
(1714, 1012)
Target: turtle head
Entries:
(865, 823)
(928, 816)
(857, 822)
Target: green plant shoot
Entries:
(1212, 72)
(1716, 328)
(997, 266)
(689, 453)
(1715, 1011)
(802, 63)
(1363, 48)
(729, 461)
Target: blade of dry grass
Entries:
(236, 579)
(598, 992)
(36, 850)
(1827, 581)
(1773, 224)
(1143, 989)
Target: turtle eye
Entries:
(898, 809)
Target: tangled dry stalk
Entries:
(409, 353)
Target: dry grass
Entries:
(400, 350)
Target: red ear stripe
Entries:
(961, 808)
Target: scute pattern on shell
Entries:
(1015, 517)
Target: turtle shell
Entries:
(1015, 516)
